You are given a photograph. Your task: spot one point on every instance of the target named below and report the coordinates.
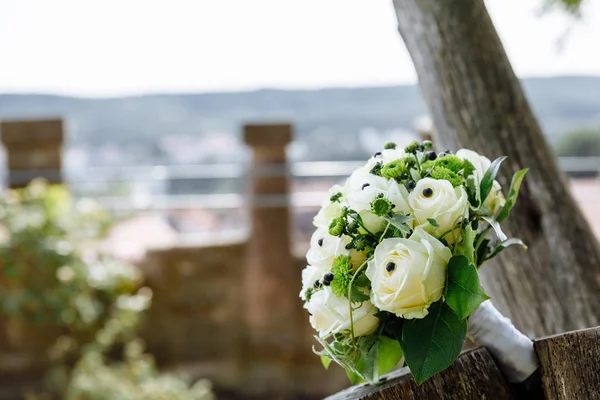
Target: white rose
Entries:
(324, 248)
(363, 187)
(310, 275)
(386, 156)
(495, 200)
(408, 275)
(331, 314)
(330, 210)
(439, 200)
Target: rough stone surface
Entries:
(571, 365)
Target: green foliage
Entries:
(503, 245)
(580, 143)
(433, 343)
(390, 146)
(466, 246)
(380, 355)
(488, 178)
(52, 274)
(400, 222)
(464, 293)
(47, 279)
(513, 194)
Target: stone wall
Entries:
(196, 325)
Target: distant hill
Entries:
(561, 103)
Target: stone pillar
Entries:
(271, 299)
(33, 150)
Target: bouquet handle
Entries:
(511, 348)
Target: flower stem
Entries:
(358, 271)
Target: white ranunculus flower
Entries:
(363, 187)
(330, 210)
(324, 248)
(386, 156)
(310, 275)
(481, 163)
(408, 275)
(495, 200)
(439, 200)
(331, 314)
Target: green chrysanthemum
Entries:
(393, 169)
(444, 173)
(390, 146)
(381, 206)
(412, 148)
(451, 162)
(336, 227)
(335, 198)
(342, 275)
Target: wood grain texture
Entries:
(571, 365)
(476, 101)
(473, 376)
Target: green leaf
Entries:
(488, 178)
(482, 251)
(513, 194)
(325, 361)
(362, 280)
(433, 222)
(463, 291)
(431, 344)
(505, 244)
(466, 246)
(472, 191)
(496, 226)
(357, 295)
(380, 355)
(354, 378)
(400, 222)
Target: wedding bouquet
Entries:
(393, 264)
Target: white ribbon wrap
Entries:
(512, 349)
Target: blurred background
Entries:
(181, 134)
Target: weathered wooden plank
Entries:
(473, 376)
(571, 364)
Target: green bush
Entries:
(53, 273)
(580, 143)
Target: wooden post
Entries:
(571, 365)
(33, 150)
(270, 298)
(473, 376)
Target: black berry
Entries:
(427, 192)
(410, 185)
(365, 185)
(320, 242)
(327, 278)
(431, 155)
(390, 267)
(377, 154)
(448, 151)
(317, 284)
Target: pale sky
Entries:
(118, 47)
